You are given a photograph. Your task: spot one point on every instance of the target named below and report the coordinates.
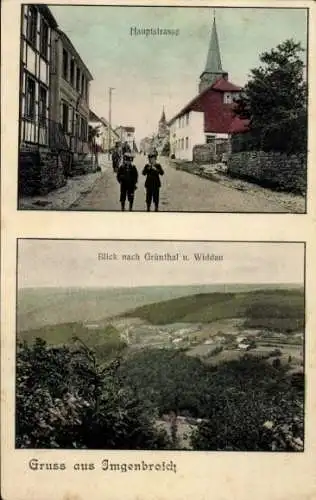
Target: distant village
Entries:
(60, 133)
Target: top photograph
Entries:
(163, 109)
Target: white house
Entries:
(126, 134)
(185, 132)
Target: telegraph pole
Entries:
(110, 120)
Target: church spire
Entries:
(163, 115)
(213, 67)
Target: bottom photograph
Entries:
(160, 345)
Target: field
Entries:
(51, 306)
(204, 325)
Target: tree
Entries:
(66, 399)
(275, 99)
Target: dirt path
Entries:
(180, 192)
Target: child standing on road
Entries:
(152, 171)
(127, 176)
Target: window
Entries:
(42, 105)
(187, 119)
(182, 143)
(65, 117)
(228, 98)
(44, 39)
(65, 64)
(83, 131)
(71, 120)
(30, 98)
(186, 143)
(210, 138)
(78, 80)
(72, 72)
(82, 84)
(31, 31)
(87, 87)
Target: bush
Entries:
(64, 399)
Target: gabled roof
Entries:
(225, 86)
(220, 85)
(128, 129)
(93, 117)
(106, 123)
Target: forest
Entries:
(66, 399)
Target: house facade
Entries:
(209, 115)
(37, 28)
(126, 134)
(186, 130)
(70, 84)
(105, 138)
(40, 166)
(54, 103)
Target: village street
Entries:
(180, 192)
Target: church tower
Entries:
(213, 67)
(162, 125)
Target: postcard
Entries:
(164, 108)
(158, 350)
(158, 250)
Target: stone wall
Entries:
(83, 164)
(211, 152)
(39, 172)
(270, 169)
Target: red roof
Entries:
(202, 102)
(238, 125)
(225, 86)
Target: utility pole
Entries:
(110, 120)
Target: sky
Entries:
(75, 263)
(149, 73)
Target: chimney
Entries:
(225, 76)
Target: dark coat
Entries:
(126, 148)
(153, 175)
(116, 157)
(127, 175)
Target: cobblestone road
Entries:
(180, 192)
